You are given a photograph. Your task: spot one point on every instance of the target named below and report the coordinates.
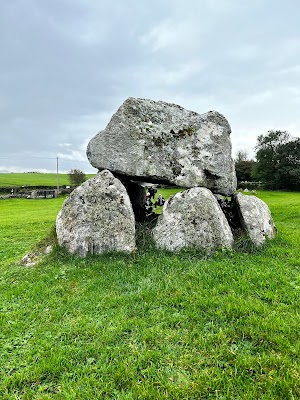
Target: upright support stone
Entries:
(256, 218)
(192, 218)
(97, 217)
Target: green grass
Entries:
(152, 325)
(166, 193)
(23, 223)
(34, 179)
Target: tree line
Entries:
(277, 163)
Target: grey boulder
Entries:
(156, 141)
(255, 218)
(97, 217)
(192, 218)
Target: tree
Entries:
(243, 167)
(244, 170)
(76, 177)
(267, 156)
(278, 160)
(288, 171)
(241, 155)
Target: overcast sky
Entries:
(67, 65)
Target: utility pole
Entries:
(57, 176)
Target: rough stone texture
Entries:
(97, 217)
(28, 260)
(192, 218)
(156, 141)
(256, 218)
(33, 194)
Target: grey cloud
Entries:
(67, 65)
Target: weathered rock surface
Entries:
(28, 260)
(156, 141)
(192, 218)
(97, 217)
(256, 218)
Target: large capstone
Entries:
(255, 218)
(192, 218)
(155, 141)
(97, 217)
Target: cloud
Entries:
(67, 65)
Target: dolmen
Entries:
(162, 143)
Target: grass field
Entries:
(152, 325)
(34, 179)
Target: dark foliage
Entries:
(244, 167)
(288, 170)
(76, 177)
(244, 170)
(278, 160)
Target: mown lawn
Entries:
(34, 179)
(152, 325)
(23, 223)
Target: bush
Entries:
(76, 177)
